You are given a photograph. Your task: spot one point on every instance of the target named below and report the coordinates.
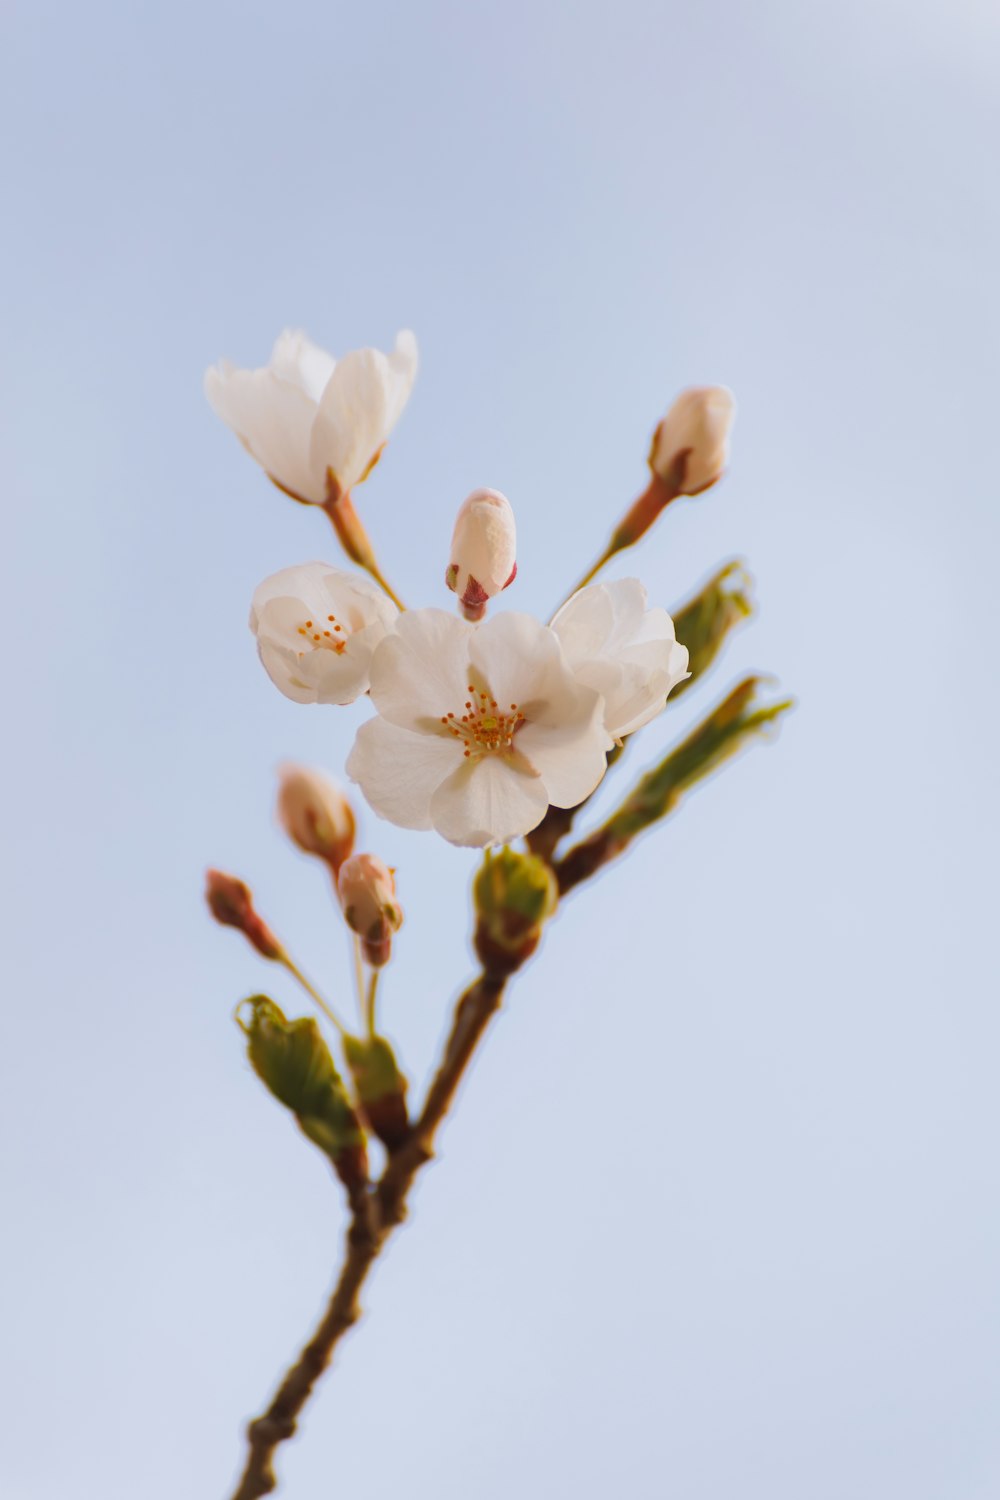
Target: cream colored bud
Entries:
(368, 896)
(315, 814)
(691, 445)
(483, 551)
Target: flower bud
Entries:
(381, 1087)
(293, 1061)
(368, 897)
(315, 814)
(691, 445)
(483, 551)
(514, 895)
(231, 903)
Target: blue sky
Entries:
(717, 1213)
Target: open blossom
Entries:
(627, 652)
(316, 425)
(697, 427)
(482, 561)
(316, 630)
(479, 728)
(315, 814)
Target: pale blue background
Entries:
(717, 1215)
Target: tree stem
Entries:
(375, 1213)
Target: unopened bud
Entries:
(368, 896)
(381, 1087)
(704, 622)
(315, 814)
(691, 445)
(231, 903)
(514, 894)
(483, 551)
(293, 1061)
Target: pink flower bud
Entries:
(231, 903)
(483, 551)
(691, 445)
(368, 897)
(315, 814)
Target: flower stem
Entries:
(371, 1001)
(313, 993)
(356, 542)
(635, 523)
(359, 975)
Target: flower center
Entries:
(484, 725)
(324, 636)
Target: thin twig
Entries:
(375, 1213)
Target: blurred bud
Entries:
(315, 814)
(368, 897)
(231, 903)
(691, 445)
(483, 551)
(704, 622)
(381, 1087)
(514, 895)
(293, 1061)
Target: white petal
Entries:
(399, 772)
(420, 671)
(360, 406)
(487, 802)
(585, 623)
(314, 676)
(623, 650)
(522, 662)
(484, 542)
(297, 605)
(570, 758)
(296, 358)
(274, 420)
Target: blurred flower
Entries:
(514, 896)
(479, 728)
(368, 896)
(625, 651)
(315, 814)
(316, 630)
(691, 445)
(316, 425)
(231, 903)
(483, 551)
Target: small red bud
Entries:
(231, 903)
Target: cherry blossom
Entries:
(316, 630)
(627, 652)
(479, 728)
(315, 424)
(315, 814)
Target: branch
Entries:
(727, 729)
(375, 1213)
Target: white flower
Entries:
(479, 728)
(315, 814)
(316, 630)
(694, 435)
(316, 425)
(483, 551)
(627, 652)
